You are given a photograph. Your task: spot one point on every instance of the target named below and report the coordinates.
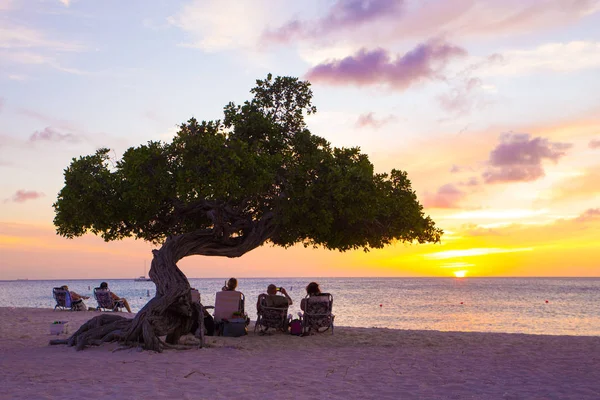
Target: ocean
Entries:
(551, 306)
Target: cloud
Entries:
(594, 144)
(20, 44)
(50, 134)
(447, 196)
(473, 252)
(473, 181)
(17, 77)
(467, 91)
(518, 158)
(559, 57)
(66, 3)
(463, 98)
(369, 120)
(383, 22)
(17, 36)
(214, 25)
(377, 67)
(593, 214)
(343, 15)
(50, 120)
(585, 185)
(36, 58)
(22, 196)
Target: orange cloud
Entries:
(585, 185)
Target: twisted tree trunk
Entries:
(171, 312)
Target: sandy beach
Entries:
(353, 363)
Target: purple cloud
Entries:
(344, 14)
(50, 134)
(594, 144)
(22, 196)
(473, 181)
(369, 120)
(447, 196)
(589, 215)
(423, 63)
(519, 159)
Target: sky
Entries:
(491, 106)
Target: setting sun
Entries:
(460, 274)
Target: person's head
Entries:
(313, 288)
(231, 284)
(104, 285)
(271, 289)
(64, 287)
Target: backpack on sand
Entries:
(296, 327)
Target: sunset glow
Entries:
(491, 109)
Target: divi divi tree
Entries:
(225, 187)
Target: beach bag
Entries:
(296, 327)
(234, 327)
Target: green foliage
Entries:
(225, 176)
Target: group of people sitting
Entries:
(275, 297)
(77, 303)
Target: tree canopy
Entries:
(259, 169)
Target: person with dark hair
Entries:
(230, 285)
(104, 285)
(317, 307)
(312, 289)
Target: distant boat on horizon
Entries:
(142, 278)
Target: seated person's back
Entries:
(272, 299)
(226, 303)
(276, 301)
(314, 295)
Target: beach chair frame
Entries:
(276, 318)
(63, 299)
(227, 302)
(105, 300)
(318, 316)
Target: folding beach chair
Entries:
(63, 299)
(271, 317)
(105, 300)
(229, 314)
(317, 315)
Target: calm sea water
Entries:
(556, 306)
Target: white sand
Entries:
(365, 363)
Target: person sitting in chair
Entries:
(312, 289)
(77, 303)
(316, 305)
(230, 285)
(104, 285)
(272, 299)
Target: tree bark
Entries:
(171, 312)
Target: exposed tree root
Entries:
(170, 314)
(144, 331)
